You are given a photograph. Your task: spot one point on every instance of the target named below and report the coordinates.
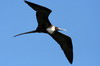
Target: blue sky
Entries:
(81, 18)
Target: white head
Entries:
(52, 29)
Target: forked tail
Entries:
(25, 33)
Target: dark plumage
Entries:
(44, 26)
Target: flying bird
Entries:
(44, 26)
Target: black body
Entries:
(64, 41)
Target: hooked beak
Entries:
(61, 29)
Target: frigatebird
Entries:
(44, 26)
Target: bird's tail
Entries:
(25, 33)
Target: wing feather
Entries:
(42, 14)
(66, 44)
(39, 8)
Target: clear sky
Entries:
(81, 18)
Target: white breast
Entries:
(51, 29)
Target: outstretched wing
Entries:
(42, 13)
(66, 44)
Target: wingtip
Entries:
(70, 61)
(25, 1)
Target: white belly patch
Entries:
(51, 29)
